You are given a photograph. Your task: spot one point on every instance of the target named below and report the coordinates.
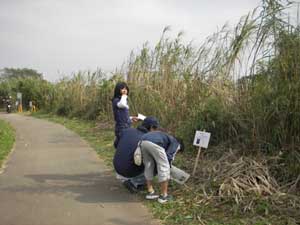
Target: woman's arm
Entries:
(123, 102)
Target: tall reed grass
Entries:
(241, 84)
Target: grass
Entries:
(7, 139)
(190, 206)
(232, 86)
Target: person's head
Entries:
(120, 89)
(150, 123)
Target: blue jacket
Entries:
(164, 140)
(123, 158)
(121, 115)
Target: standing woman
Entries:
(121, 110)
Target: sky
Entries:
(60, 37)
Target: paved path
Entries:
(52, 177)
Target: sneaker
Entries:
(151, 196)
(130, 187)
(164, 199)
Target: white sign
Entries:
(141, 116)
(19, 95)
(179, 175)
(201, 139)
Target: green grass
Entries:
(7, 139)
(190, 205)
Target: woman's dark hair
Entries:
(118, 88)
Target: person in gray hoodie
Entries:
(158, 151)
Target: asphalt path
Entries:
(53, 177)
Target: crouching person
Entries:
(130, 174)
(158, 151)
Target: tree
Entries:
(10, 73)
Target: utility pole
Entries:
(298, 25)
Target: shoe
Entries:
(164, 199)
(151, 196)
(130, 187)
(141, 187)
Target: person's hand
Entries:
(134, 118)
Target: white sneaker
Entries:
(164, 199)
(151, 196)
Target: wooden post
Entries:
(197, 159)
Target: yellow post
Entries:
(20, 109)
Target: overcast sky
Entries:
(63, 36)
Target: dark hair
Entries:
(148, 127)
(118, 88)
(150, 122)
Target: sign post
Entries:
(197, 159)
(201, 140)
